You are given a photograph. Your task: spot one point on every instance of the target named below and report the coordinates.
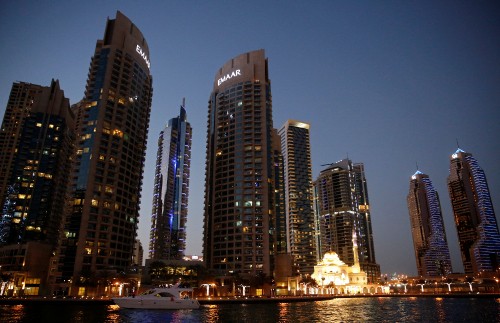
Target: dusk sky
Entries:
(386, 83)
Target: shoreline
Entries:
(240, 300)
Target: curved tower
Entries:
(112, 127)
(239, 220)
(427, 227)
(475, 219)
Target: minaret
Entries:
(355, 267)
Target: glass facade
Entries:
(171, 190)
(429, 237)
(37, 150)
(112, 125)
(295, 147)
(239, 189)
(475, 219)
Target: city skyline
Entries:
(409, 79)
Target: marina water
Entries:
(383, 309)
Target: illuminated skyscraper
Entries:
(112, 127)
(296, 151)
(278, 218)
(344, 216)
(171, 190)
(239, 189)
(366, 247)
(475, 219)
(36, 148)
(429, 237)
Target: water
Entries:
(382, 309)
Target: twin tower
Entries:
(474, 217)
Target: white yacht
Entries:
(170, 298)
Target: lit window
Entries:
(118, 133)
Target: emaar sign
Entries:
(228, 76)
(138, 49)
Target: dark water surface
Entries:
(382, 309)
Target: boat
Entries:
(169, 298)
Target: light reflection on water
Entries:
(383, 309)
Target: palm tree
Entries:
(308, 281)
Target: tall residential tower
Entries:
(344, 216)
(475, 219)
(112, 127)
(427, 227)
(171, 190)
(240, 221)
(36, 148)
(300, 229)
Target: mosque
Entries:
(335, 277)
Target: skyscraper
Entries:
(239, 183)
(295, 147)
(277, 220)
(36, 148)
(475, 219)
(171, 190)
(366, 247)
(427, 227)
(112, 126)
(345, 224)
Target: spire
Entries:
(182, 114)
(355, 266)
(459, 150)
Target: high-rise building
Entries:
(277, 220)
(475, 219)
(36, 148)
(427, 227)
(295, 147)
(239, 187)
(171, 190)
(344, 216)
(112, 124)
(366, 247)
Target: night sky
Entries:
(391, 84)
